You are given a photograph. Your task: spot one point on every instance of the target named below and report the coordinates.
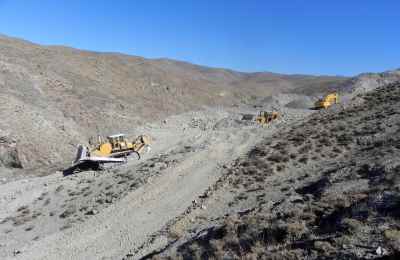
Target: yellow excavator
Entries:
(265, 117)
(327, 101)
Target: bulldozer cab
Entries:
(263, 114)
(117, 141)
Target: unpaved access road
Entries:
(196, 148)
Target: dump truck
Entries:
(265, 117)
(111, 150)
(327, 101)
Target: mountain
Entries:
(57, 97)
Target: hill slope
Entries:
(327, 188)
(58, 96)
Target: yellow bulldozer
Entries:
(327, 101)
(113, 149)
(265, 117)
(118, 146)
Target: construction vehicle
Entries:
(265, 117)
(113, 149)
(327, 101)
(118, 146)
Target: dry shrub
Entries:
(324, 247)
(6, 231)
(42, 196)
(277, 158)
(87, 193)
(336, 150)
(68, 212)
(122, 181)
(177, 230)
(29, 228)
(66, 226)
(47, 202)
(297, 139)
(296, 230)
(280, 167)
(59, 188)
(280, 146)
(23, 209)
(259, 178)
(393, 238)
(36, 214)
(21, 219)
(303, 160)
(351, 225)
(305, 149)
(332, 155)
(344, 139)
(252, 170)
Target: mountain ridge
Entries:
(64, 95)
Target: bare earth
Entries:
(191, 150)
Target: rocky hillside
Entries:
(57, 97)
(327, 188)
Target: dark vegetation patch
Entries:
(315, 188)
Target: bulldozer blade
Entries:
(80, 154)
(83, 160)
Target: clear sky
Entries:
(334, 37)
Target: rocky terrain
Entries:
(327, 188)
(313, 184)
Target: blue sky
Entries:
(298, 36)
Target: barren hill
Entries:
(55, 97)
